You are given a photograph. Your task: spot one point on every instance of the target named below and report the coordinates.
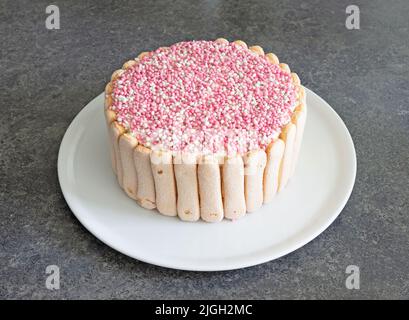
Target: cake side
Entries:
(195, 185)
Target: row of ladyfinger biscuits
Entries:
(207, 187)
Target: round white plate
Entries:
(310, 203)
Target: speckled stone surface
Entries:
(48, 76)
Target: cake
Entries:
(204, 129)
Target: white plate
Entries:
(310, 203)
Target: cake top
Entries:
(204, 97)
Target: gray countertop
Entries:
(48, 76)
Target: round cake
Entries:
(204, 129)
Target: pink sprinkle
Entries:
(204, 96)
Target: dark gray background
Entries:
(48, 76)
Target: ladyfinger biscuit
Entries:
(222, 40)
(142, 55)
(302, 95)
(275, 153)
(255, 162)
(233, 188)
(296, 78)
(257, 49)
(288, 136)
(145, 185)
(108, 89)
(110, 117)
(127, 144)
(107, 102)
(128, 64)
(272, 58)
(185, 167)
(241, 43)
(115, 131)
(116, 74)
(211, 205)
(299, 117)
(165, 185)
(284, 67)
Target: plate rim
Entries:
(259, 259)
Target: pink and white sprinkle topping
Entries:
(204, 97)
